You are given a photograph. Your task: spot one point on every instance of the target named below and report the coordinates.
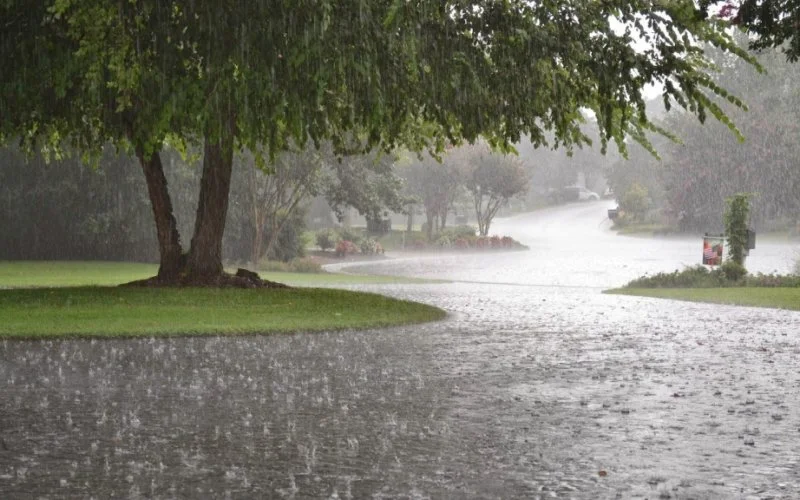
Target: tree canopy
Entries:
(363, 74)
(776, 23)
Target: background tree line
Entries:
(688, 186)
(471, 180)
(63, 209)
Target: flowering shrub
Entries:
(495, 242)
(344, 247)
(369, 246)
(444, 241)
(326, 239)
(462, 243)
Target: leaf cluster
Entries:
(387, 72)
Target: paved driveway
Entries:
(536, 386)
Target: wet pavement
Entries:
(536, 386)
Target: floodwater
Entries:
(536, 386)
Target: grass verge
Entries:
(776, 297)
(31, 274)
(132, 312)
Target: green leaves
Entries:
(286, 71)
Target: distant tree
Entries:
(269, 195)
(434, 184)
(272, 197)
(366, 182)
(711, 165)
(492, 179)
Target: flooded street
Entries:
(536, 386)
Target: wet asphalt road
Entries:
(536, 386)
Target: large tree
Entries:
(231, 74)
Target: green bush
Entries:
(290, 244)
(733, 271)
(729, 274)
(273, 266)
(772, 280)
(300, 265)
(369, 246)
(443, 241)
(305, 265)
(462, 232)
(351, 234)
(635, 201)
(691, 277)
(326, 239)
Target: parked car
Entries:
(570, 194)
(586, 195)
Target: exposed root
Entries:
(242, 279)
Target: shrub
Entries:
(344, 247)
(273, 266)
(772, 280)
(635, 201)
(733, 271)
(462, 243)
(691, 277)
(368, 246)
(290, 244)
(350, 234)
(305, 265)
(444, 241)
(495, 242)
(326, 239)
(508, 242)
(462, 232)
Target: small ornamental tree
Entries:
(736, 215)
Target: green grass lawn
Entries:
(16, 274)
(80, 299)
(780, 298)
(128, 312)
(25, 274)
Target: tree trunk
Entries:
(430, 222)
(205, 256)
(258, 244)
(169, 245)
